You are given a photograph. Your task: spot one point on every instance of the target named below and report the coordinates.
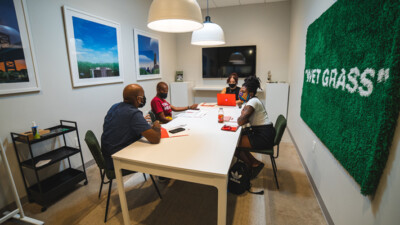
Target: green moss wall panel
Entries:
(351, 90)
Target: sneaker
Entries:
(256, 170)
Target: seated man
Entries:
(124, 124)
(161, 108)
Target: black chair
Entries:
(280, 127)
(95, 149)
(152, 116)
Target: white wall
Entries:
(58, 99)
(264, 25)
(340, 193)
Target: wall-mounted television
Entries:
(222, 61)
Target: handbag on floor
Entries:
(239, 179)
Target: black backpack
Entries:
(239, 179)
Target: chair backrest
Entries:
(152, 116)
(95, 149)
(280, 127)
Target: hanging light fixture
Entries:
(174, 16)
(210, 34)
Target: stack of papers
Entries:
(193, 114)
(207, 104)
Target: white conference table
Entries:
(204, 156)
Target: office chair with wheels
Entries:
(280, 127)
(95, 149)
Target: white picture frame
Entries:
(147, 55)
(19, 72)
(95, 57)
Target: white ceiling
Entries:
(225, 3)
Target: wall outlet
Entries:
(314, 143)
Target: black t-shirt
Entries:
(235, 91)
(122, 126)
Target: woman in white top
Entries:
(259, 132)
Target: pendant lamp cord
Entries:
(207, 7)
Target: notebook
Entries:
(226, 99)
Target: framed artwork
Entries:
(179, 76)
(94, 48)
(147, 49)
(18, 69)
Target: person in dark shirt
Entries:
(161, 107)
(124, 124)
(232, 81)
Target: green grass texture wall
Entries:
(351, 89)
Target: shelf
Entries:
(56, 185)
(209, 88)
(59, 184)
(54, 132)
(55, 156)
(213, 88)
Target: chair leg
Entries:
(274, 169)
(144, 175)
(155, 186)
(108, 200)
(102, 174)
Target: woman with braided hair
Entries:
(258, 132)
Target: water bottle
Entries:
(220, 115)
(35, 131)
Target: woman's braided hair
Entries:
(252, 83)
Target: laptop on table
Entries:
(226, 99)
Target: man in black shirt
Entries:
(124, 124)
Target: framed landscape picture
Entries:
(94, 48)
(147, 49)
(18, 70)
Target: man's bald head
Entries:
(162, 85)
(131, 91)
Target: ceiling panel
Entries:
(275, 1)
(225, 3)
(203, 4)
(245, 2)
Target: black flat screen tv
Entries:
(221, 61)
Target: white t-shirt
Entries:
(259, 116)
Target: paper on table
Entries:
(42, 162)
(207, 104)
(193, 114)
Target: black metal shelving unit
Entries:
(46, 191)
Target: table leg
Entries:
(222, 201)
(121, 193)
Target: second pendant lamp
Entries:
(210, 34)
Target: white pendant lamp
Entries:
(174, 16)
(210, 34)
